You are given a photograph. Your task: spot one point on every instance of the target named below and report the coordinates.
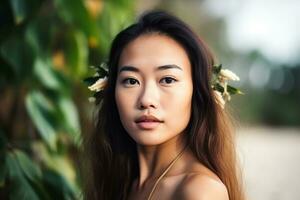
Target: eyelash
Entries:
(126, 80)
(169, 78)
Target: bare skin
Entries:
(145, 86)
(188, 179)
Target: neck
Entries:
(153, 160)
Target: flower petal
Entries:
(227, 74)
(98, 85)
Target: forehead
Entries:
(151, 50)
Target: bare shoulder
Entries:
(202, 187)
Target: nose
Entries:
(148, 98)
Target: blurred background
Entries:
(47, 46)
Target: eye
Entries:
(130, 81)
(168, 80)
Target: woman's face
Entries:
(154, 89)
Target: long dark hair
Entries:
(111, 162)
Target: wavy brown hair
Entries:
(110, 155)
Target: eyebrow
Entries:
(163, 67)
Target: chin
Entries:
(148, 140)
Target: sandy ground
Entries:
(270, 161)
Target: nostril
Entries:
(144, 106)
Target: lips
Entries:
(148, 122)
(147, 118)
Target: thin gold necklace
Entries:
(164, 173)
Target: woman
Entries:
(160, 132)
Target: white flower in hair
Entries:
(99, 84)
(228, 75)
(222, 90)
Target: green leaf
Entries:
(46, 75)
(20, 10)
(70, 117)
(18, 54)
(233, 90)
(114, 17)
(32, 173)
(74, 12)
(102, 70)
(20, 188)
(217, 68)
(39, 35)
(40, 189)
(57, 185)
(56, 162)
(90, 80)
(77, 53)
(219, 87)
(31, 170)
(41, 112)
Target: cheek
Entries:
(120, 101)
(125, 105)
(179, 109)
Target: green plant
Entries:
(45, 48)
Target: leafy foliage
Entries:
(45, 48)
